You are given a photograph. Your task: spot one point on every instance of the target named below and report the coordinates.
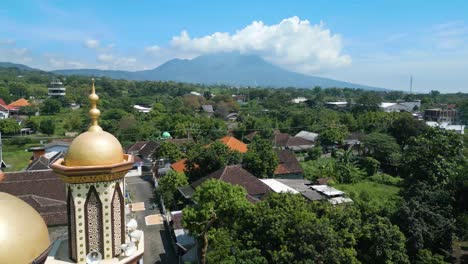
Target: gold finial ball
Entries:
(94, 112)
(23, 232)
(93, 97)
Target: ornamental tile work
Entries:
(117, 220)
(93, 209)
(105, 192)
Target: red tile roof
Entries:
(18, 103)
(234, 144)
(179, 166)
(2, 103)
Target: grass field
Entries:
(16, 157)
(377, 192)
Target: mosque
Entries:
(93, 171)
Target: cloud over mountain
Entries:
(293, 44)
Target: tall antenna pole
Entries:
(411, 85)
(1, 151)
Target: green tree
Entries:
(381, 242)
(383, 148)
(167, 187)
(261, 160)
(287, 230)
(426, 257)
(433, 157)
(314, 153)
(217, 204)
(333, 134)
(202, 161)
(370, 165)
(368, 102)
(51, 106)
(9, 126)
(168, 150)
(47, 126)
(404, 127)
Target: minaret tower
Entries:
(94, 170)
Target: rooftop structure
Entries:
(56, 88)
(234, 144)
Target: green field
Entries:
(16, 157)
(377, 192)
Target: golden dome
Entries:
(94, 147)
(23, 232)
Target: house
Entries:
(207, 108)
(440, 115)
(336, 105)
(144, 150)
(308, 190)
(186, 245)
(286, 141)
(42, 189)
(249, 137)
(288, 166)
(310, 136)
(231, 117)
(142, 109)
(235, 175)
(333, 195)
(136, 170)
(239, 98)
(460, 129)
(4, 110)
(299, 100)
(400, 106)
(179, 166)
(295, 186)
(43, 162)
(18, 104)
(234, 144)
(58, 145)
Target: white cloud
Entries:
(7, 42)
(155, 49)
(92, 43)
(105, 57)
(293, 43)
(57, 62)
(451, 35)
(110, 61)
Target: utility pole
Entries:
(411, 85)
(1, 151)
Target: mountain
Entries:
(16, 65)
(223, 68)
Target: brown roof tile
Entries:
(42, 189)
(236, 175)
(287, 163)
(144, 149)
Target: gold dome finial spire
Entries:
(94, 113)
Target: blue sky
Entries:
(377, 43)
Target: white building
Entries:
(400, 106)
(142, 109)
(56, 88)
(460, 129)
